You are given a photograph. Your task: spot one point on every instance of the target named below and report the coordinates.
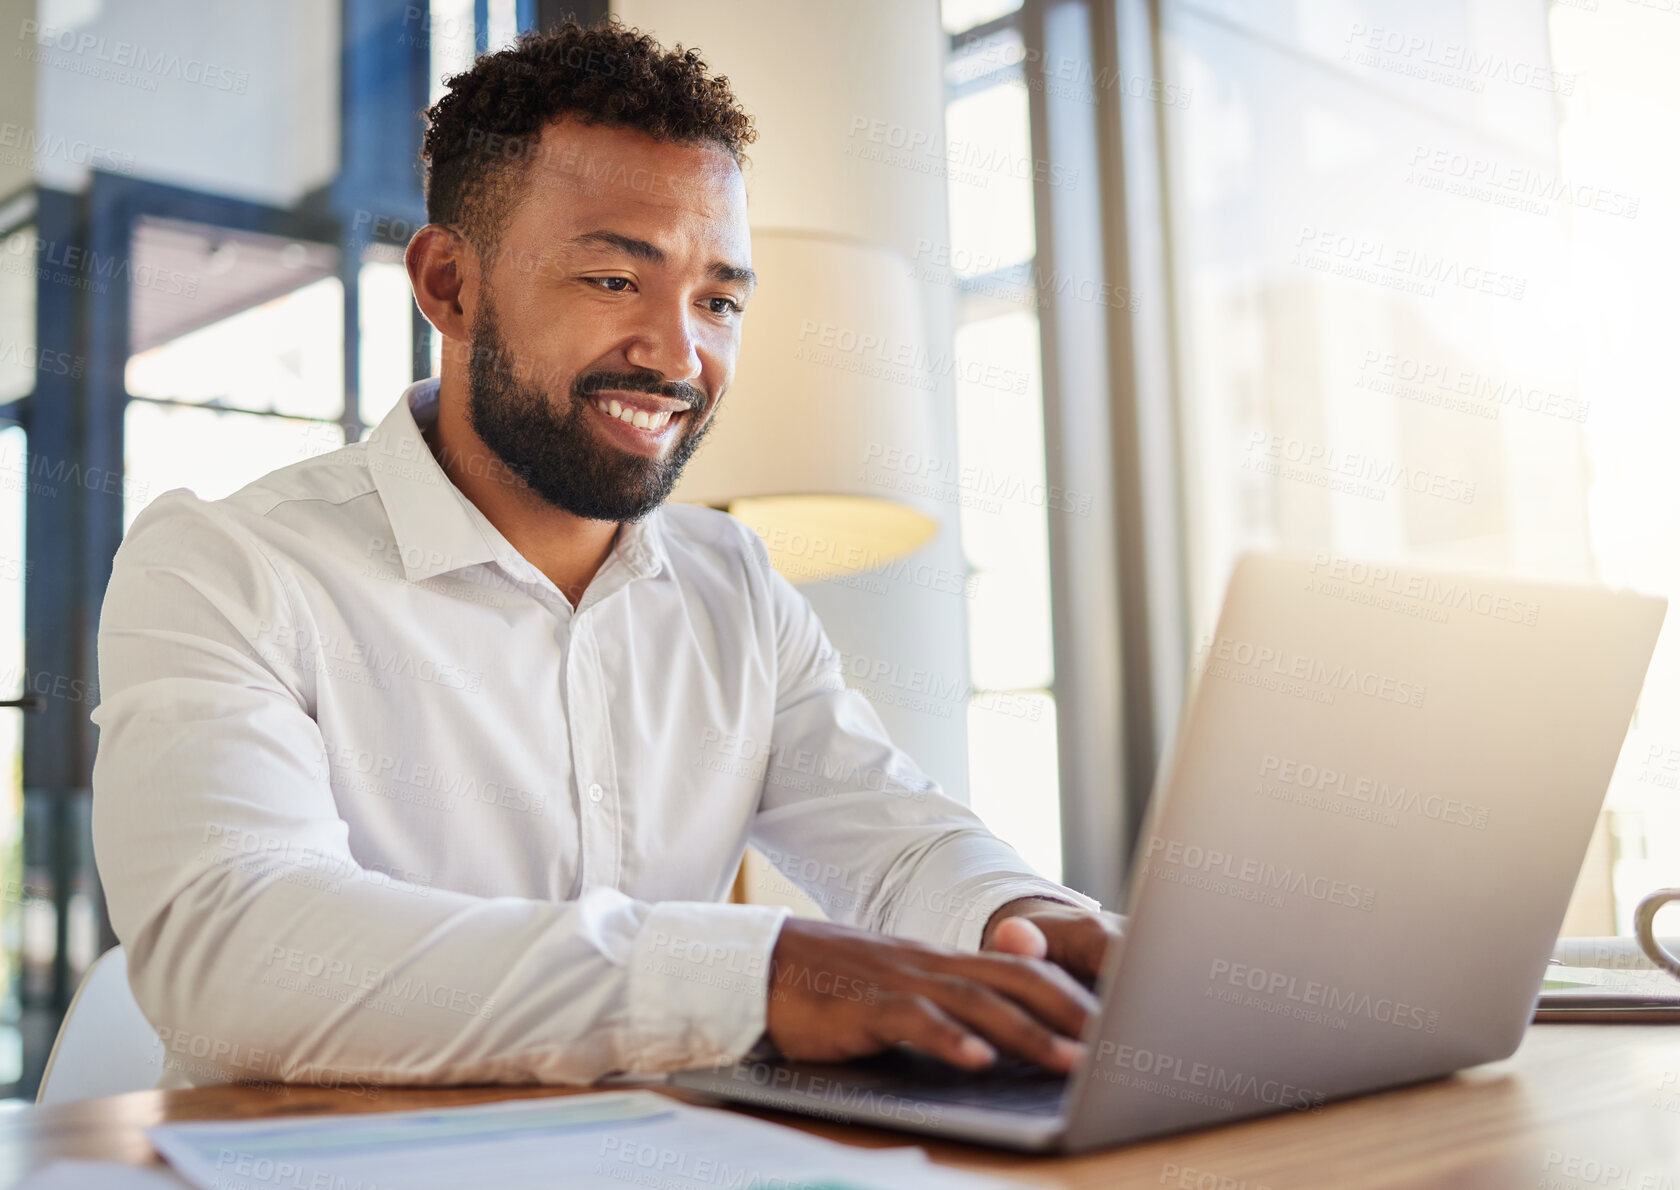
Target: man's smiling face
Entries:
(606, 325)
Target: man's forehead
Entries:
(591, 169)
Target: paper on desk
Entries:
(609, 1141)
(1584, 988)
(100, 1175)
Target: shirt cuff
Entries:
(699, 978)
(959, 920)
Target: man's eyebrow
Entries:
(733, 272)
(654, 254)
(629, 245)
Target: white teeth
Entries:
(639, 418)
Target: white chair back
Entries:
(105, 1046)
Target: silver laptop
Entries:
(1350, 877)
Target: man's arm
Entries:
(852, 819)
(258, 945)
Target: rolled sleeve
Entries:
(967, 868)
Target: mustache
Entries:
(591, 383)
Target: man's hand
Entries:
(1069, 937)
(839, 993)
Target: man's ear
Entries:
(443, 269)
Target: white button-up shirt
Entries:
(373, 802)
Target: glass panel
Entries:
(15, 903)
(957, 15)
(234, 99)
(18, 361)
(1013, 775)
(387, 357)
(989, 172)
(1474, 63)
(283, 356)
(503, 23)
(1000, 53)
(1000, 489)
(19, 364)
(1623, 247)
(1357, 332)
(215, 452)
(998, 482)
(1000, 438)
(1422, 318)
(1009, 627)
(451, 29)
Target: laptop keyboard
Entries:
(1010, 1084)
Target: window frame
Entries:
(1118, 575)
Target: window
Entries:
(387, 323)
(451, 33)
(213, 285)
(1013, 772)
(1621, 107)
(223, 404)
(20, 914)
(1390, 260)
(261, 387)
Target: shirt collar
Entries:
(437, 529)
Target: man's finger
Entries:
(1037, 985)
(1003, 1022)
(924, 1024)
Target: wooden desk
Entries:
(1590, 1106)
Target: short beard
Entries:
(559, 457)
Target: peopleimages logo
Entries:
(1355, 472)
(1312, 993)
(1172, 1071)
(1442, 384)
(126, 62)
(85, 268)
(1165, 855)
(1226, 651)
(1447, 592)
(760, 1082)
(1380, 795)
(1401, 267)
(899, 144)
(1453, 64)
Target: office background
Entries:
(1358, 277)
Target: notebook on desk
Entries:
(1606, 994)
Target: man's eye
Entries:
(610, 284)
(730, 305)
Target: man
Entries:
(422, 760)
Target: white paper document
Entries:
(609, 1141)
(100, 1175)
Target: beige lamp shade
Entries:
(822, 443)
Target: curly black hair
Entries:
(485, 128)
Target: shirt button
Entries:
(595, 792)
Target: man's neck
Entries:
(568, 549)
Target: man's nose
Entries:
(667, 345)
